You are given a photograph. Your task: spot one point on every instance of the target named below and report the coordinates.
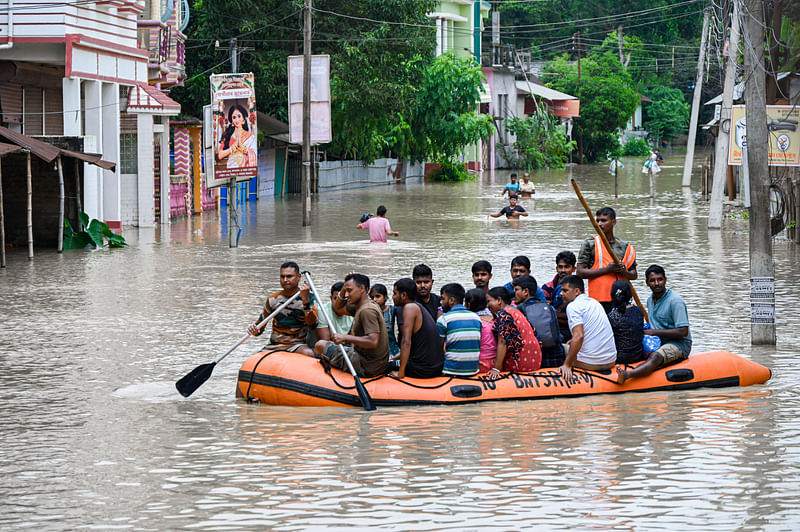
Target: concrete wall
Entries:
(341, 175)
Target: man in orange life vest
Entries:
(596, 265)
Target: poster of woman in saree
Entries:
(238, 144)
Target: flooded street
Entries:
(96, 437)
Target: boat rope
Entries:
(509, 375)
(253, 374)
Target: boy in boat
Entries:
(423, 278)
(565, 265)
(512, 210)
(512, 187)
(420, 348)
(369, 353)
(520, 265)
(482, 274)
(460, 332)
(592, 346)
(290, 327)
(378, 226)
(542, 317)
(669, 321)
(342, 321)
(527, 188)
(596, 265)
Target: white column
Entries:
(163, 139)
(445, 44)
(71, 103)
(438, 37)
(112, 208)
(145, 188)
(93, 143)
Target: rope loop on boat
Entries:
(252, 375)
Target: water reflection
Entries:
(96, 437)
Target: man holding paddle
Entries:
(291, 325)
(596, 264)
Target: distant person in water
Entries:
(378, 226)
(512, 187)
(512, 210)
(527, 188)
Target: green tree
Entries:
(668, 115)
(444, 118)
(607, 100)
(541, 141)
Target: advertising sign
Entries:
(783, 129)
(567, 108)
(320, 99)
(233, 128)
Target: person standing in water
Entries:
(378, 226)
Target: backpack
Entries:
(542, 317)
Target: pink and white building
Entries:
(98, 70)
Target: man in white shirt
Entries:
(592, 346)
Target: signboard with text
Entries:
(233, 129)
(320, 99)
(783, 129)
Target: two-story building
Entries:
(94, 70)
(459, 24)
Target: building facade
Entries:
(93, 70)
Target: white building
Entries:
(95, 70)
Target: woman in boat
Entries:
(238, 144)
(380, 296)
(518, 349)
(627, 321)
(475, 301)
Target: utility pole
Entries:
(698, 88)
(305, 187)
(233, 218)
(580, 137)
(723, 138)
(762, 272)
(619, 43)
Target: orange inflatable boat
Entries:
(290, 379)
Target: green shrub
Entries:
(636, 148)
(541, 142)
(92, 234)
(451, 171)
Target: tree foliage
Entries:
(388, 93)
(541, 142)
(443, 119)
(607, 100)
(668, 115)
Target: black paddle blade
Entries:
(366, 400)
(194, 379)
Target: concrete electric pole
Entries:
(305, 187)
(762, 271)
(698, 89)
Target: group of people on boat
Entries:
(581, 319)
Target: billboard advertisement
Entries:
(783, 129)
(233, 128)
(320, 99)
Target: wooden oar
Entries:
(194, 379)
(607, 244)
(366, 400)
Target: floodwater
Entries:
(94, 435)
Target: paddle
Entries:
(607, 244)
(194, 379)
(366, 400)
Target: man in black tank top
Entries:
(421, 354)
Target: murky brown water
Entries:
(95, 436)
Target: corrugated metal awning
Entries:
(541, 91)
(48, 152)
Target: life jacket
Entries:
(599, 288)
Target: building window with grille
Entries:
(128, 139)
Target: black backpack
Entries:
(542, 317)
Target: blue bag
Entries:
(650, 343)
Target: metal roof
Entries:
(47, 152)
(542, 91)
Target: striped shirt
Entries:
(461, 331)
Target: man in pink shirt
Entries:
(378, 226)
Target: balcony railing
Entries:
(154, 36)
